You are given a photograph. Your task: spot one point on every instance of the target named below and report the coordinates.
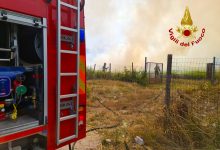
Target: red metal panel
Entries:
(31, 7)
(51, 144)
(40, 8)
(52, 80)
(22, 134)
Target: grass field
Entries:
(191, 123)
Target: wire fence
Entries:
(192, 96)
(118, 68)
(192, 101)
(151, 72)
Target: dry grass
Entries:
(142, 113)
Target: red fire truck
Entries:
(42, 74)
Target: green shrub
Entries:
(139, 77)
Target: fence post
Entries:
(213, 70)
(132, 67)
(168, 79)
(104, 67)
(145, 65)
(162, 74)
(94, 67)
(110, 67)
(149, 72)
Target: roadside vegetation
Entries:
(126, 75)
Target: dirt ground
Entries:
(129, 102)
(119, 113)
(131, 107)
(91, 142)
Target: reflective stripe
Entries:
(82, 80)
(82, 64)
(82, 86)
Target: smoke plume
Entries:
(126, 31)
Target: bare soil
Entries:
(133, 106)
(122, 111)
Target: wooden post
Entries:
(209, 68)
(132, 67)
(110, 67)
(168, 80)
(145, 65)
(104, 67)
(213, 70)
(149, 73)
(94, 67)
(162, 74)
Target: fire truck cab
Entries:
(42, 74)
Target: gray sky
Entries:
(122, 31)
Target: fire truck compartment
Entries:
(23, 83)
(22, 123)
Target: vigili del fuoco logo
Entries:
(187, 32)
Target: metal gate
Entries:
(192, 100)
(154, 72)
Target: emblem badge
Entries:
(187, 29)
(187, 32)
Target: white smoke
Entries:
(126, 31)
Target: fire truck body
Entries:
(42, 73)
